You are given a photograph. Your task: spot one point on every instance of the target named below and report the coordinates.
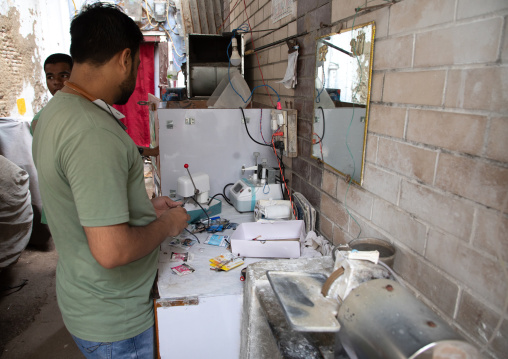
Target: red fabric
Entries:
(136, 116)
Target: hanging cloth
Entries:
(136, 116)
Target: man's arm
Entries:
(117, 245)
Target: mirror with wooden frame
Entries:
(341, 99)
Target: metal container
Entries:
(382, 320)
(385, 249)
(208, 63)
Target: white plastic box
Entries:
(268, 240)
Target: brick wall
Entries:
(436, 167)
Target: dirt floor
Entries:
(31, 324)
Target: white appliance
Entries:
(245, 193)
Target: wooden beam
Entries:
(203, 21)
(209, 8)
(186, 16)
(196, 24)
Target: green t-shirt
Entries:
(91, 174)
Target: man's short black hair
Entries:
(100, 31)
(57, 58)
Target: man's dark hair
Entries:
(57, 58)
(100, 31)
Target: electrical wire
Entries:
(318, 97)
(227, 17)
(193, 235)
(257, 57)
(75, 8)
(167, 20)
(199, 204)
(247, 129)
(283, 179)
(323, 135)
(219, 194)
(320, 145)
(231, 84)
(261, 127)
(224, 189)
(148, 10)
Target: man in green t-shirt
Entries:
(106, 230)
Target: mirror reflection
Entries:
(341, 99)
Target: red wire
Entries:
(220, 27)
(254, 48)
(320, 145)
(282, 175)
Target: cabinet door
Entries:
(208, 329)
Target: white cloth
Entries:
(289, 80)
(318, 243)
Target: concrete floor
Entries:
(31, 325)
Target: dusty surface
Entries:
(20, 63)
(31, 324)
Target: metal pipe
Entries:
(337, 48)
(250, 52)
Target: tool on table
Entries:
(185, 189)
(260, 185)
(197, 187)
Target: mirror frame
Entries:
(367, 106)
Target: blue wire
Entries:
(318, 97)
(229, 76)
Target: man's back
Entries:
(91, 175)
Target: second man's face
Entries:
(56, 74)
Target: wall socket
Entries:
(287, 124)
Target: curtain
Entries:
(136, 116)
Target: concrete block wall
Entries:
(273, 60)
(436, 165)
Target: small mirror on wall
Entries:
(341, 99)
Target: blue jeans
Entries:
(141, 346)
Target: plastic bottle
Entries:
(172, 73)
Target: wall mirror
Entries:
(341, 99)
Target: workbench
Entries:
(199, 315)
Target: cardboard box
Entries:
(268, 240)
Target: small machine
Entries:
(194, 190)
(260, 186)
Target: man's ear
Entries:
(125, 59)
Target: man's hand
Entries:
(162, 204)
(120, 244)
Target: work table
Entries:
(205, 305)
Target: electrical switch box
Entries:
(286, 121)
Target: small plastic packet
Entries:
(183, 269)
(219, 240)
(181, 256)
